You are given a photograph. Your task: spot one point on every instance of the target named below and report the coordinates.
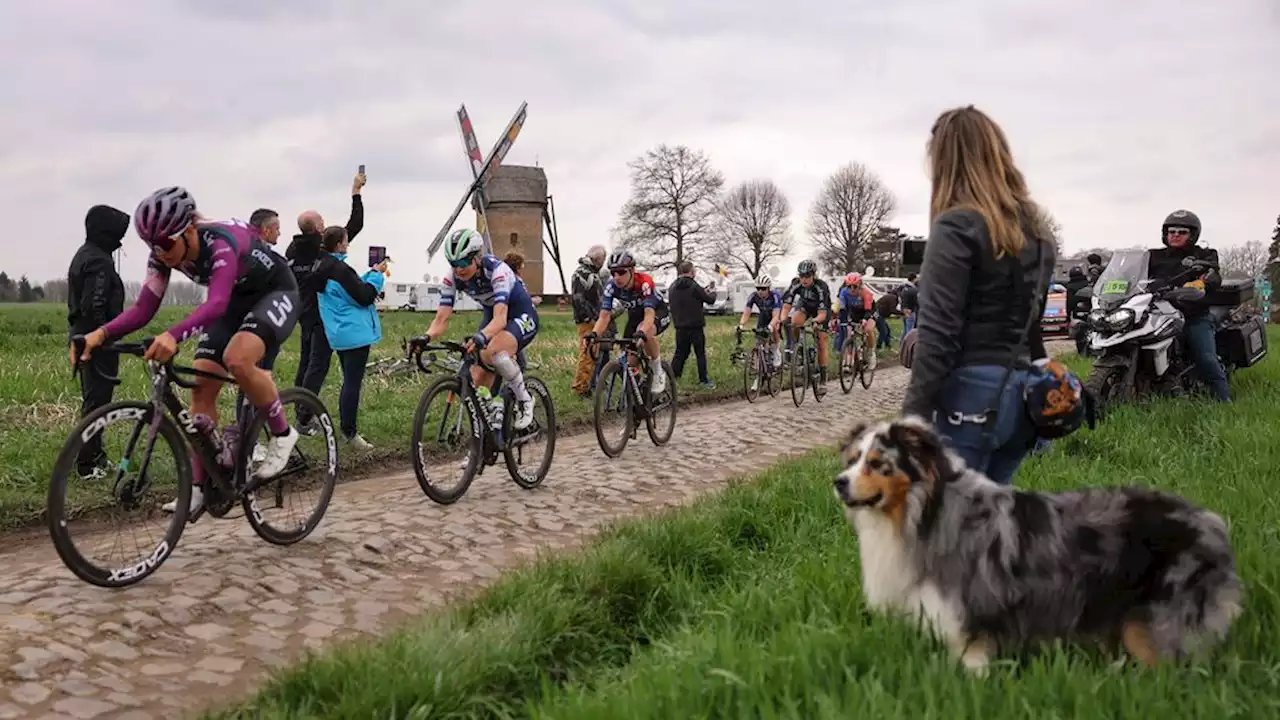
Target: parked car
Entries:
(1054, 321)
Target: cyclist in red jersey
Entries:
(634, 293)
(252, 306)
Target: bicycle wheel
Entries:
(312, 472)
(665, 405)
(541, 431)
(753, 374)
(613, 403)
(866, 372)
(121, 489)
(799, 373)
(772, 375)
(848, 367)
(454, 429)
(817, 377)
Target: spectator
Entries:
(687, 299)
(306, 256)
(515, 260)
(886, 307)
(351, 324)
(588, 288)
(95, 295)
(1095, 266)
(267, 223)
(986, 274)
(909, 298)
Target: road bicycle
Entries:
(853, 358)
(624, 390)
(131, 481)
(805, 371)
(491, 433)
(758, 370)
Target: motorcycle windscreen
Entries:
(1123, 278)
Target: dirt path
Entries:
(227, 606)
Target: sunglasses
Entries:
(1178, 231)
(806, 276)
(461, 262)
(619, 272)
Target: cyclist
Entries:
(634, 293)
(510, 321)
(808, 298)
(251, 307)
(857, 306)
(769, 303)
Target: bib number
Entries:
(1115, 287)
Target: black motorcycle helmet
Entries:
(1181, 218)
(1076, 272)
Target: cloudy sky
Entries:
(1118, 112)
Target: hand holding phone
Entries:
(377, 253)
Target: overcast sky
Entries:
(1118, 112)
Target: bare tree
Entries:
(1273, 256)
(55, 290)
(1047, 226)
(755, 226)
(848, 212)
(671, 214)
(1245, 261)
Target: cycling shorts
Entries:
(522, 323)
(635, 316)
(763, 320)
(810, 313)
(269, 315)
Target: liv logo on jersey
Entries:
(281, 308)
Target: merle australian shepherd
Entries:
(993, 569)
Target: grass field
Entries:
(747, 604)
(40, 400)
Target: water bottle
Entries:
(491, 406)
(230, 445)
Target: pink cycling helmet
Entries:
(163, 214)
(852, 278)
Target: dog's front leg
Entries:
(974, 652)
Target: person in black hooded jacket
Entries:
(312, 267)
(95, 295)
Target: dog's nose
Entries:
(841, 483)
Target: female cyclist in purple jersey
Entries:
(252, 304)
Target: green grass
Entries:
(747, 604)
(40, 400)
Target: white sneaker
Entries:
(871, 361)
(197, 502)
(278, 451)
(259, 452)
(777, 358)
(755, 384)
(659, 383)
(359, 443)
(524, 414)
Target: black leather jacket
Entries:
(970, 312)
(1166, 264)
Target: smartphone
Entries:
(361, 170)
(377, 253)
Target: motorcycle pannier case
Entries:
(1244, 344)
(1232, 293)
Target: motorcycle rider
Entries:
(1095, 267)
(1077, 281)
(1180, 234)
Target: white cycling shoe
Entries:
(197, 502)
(279, 448)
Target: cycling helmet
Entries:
(807, 267)
(1181, 218)
(852, 278)
(621, 258)
(1076, 272)
(764, 281)
(165, 212)
(462, 244)
(1055, 400)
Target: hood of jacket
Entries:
(105, 226)
(304, 249)
(683, 281)
(586, 265)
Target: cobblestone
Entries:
(228, 607)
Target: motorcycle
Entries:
(1135, 329)
(1080, 330)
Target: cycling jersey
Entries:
(633, 301)
(236, 265)
(855, 305)
(495, 283)
(766, 305)
(811, 300)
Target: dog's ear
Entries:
(852, 440)
(922, 445)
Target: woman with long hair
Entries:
(986, 271)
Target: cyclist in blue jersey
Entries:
(768, 302)
(251, 308)
(636, 294)
(510, 321)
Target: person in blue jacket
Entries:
(351, 325)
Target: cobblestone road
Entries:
(227, 606)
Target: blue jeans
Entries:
(908, 322)
(968, 393)
(1203, 348)
(884, 334)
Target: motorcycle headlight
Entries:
(1121, 319)
(1097, 318)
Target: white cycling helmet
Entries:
(764, 281)
(462, 244)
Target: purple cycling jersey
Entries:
(232, 260)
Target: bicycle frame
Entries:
(631, 347)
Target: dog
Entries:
(991, 569)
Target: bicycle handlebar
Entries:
(139, 348)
